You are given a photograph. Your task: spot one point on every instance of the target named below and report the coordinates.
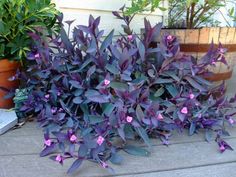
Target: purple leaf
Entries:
(48, 150)
(75, 166)
(107, 41)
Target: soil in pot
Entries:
(7, 70)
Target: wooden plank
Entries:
(191, 36)
(223, 35)
(219, 170)
(204, 36)
(180, 34)
(214, 35)
(34, 143)
(99, 5)
(23, 132)
(161, 159)
(230, 36)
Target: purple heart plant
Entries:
(92, 95)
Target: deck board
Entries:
(176, 156)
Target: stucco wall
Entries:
(81, 9)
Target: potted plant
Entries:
(193, 22)
(17, 20)
(93, 94)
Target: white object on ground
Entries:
(8, 119)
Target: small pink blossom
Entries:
(48, 142)
(107, 82)
(100, 140)
(58, 93)
(222, 148)
(104, 165)
(53, 110)
(221, 50)
(129, 119)
(160, 117)
(59, 158)
(213, 62)
(169, 38)
(231, 121)
(191, 96)
(47, 96)
(73, 138)
(36, 55)
(184, 110)
(130, 37)
(60, 110)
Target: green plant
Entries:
(138, 6)
(196, 13)
(18, 18)
(186, 13)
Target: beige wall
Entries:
(81, 9)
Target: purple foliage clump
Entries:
(92, 95)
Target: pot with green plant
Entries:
(18, 19)
(193, 22)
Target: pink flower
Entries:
(169, 38)
(213, 62)
(60, 110)
(129, 119)
(73, 138)
(222, 148)
(36, 55)
(221, 51)
(59, 158)
(104, 165)
(100, 140)
(130, 37)
(47, 96)
(184, 110)
(107, 82)
(53, 110)
(191, 96)
(160, 117)
(48, 142)
(231, 121)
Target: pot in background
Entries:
(7, 70)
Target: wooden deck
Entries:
(185, 157)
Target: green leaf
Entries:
(143, 134)
(172, 90)
(208, 135)
(195, 84)
(173, 75)
(113, 69)
(162, 81)
(192, 128)
(75, 166)
(108, 109)
(137, 151)
(119, 86)
(139, 112)
(116, 159)
(77, 100)
(159, 92)
(94, 119)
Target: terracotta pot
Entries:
(197, 42)
(7, 70)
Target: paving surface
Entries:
(185, 157)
